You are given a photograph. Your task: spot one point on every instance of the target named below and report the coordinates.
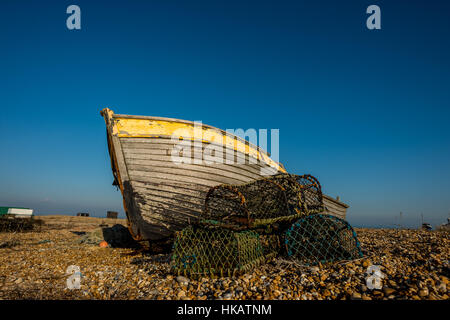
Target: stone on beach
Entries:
(414, 264)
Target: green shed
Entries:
(16, 211)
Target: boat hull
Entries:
(165, 167)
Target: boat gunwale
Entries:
(338, 202)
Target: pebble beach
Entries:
(33, 265)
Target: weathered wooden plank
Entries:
(181, 184)
(186, 190)
(164, 215)
(195, 153)
(197, 172)
(188, 209)
(187, 177)
(333, 205)
(224, 133)
(174, 218)
(334, 208)
(246, 169)
(175, 198)
(158, 143)
(223, 169)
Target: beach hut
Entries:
(112, 214)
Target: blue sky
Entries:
(367, 112)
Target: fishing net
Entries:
(303, 192)
(12, 224)
(321, 238)
(221, 252)
(241, 227)
(279, 198)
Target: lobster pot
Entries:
(303, 192)
(213, 251)
(245, 205)
(266, 201)
(271, 244)
(321, 238)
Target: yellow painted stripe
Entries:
(142, 128)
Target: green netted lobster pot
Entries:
(321, 238)
(212, 251)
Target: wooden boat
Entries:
(162, 192)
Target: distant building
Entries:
(16, 212)
(82, 214)
(112, 214)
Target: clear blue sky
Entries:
(367, 112)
